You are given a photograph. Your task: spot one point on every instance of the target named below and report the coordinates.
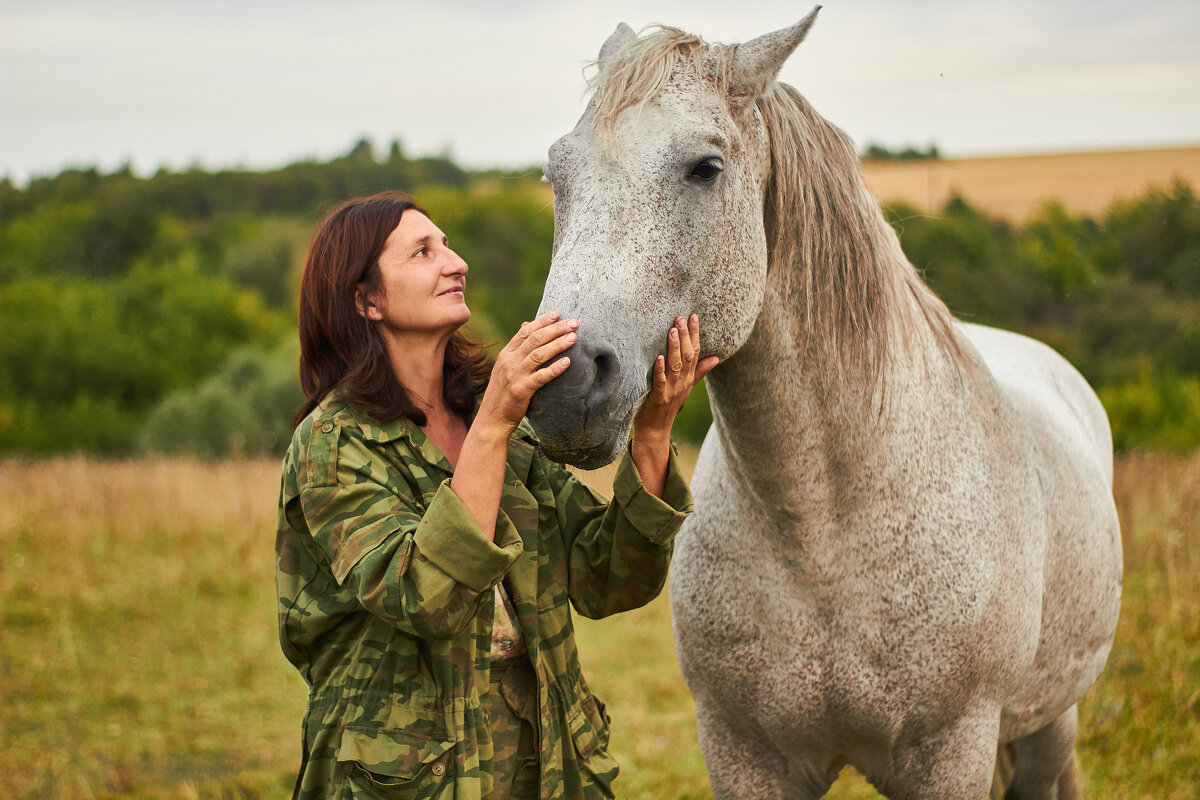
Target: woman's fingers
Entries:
(545, 337)
(529, 330)
(692, 351)
(658, 376)
(548, 347)
(683, 367)
(705, 366)
(549, 372)
(674, 353)
(531, 361)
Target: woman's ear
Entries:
(366, 309)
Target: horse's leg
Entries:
(1044, 767)
(743, 763)
(955, 763)
(1002, 775)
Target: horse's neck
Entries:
(796, 432)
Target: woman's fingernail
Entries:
(695, 317)
(571, 337)
(674, 333)
(572, 323)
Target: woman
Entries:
(427, 549)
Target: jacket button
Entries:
(439, 769)
(327, 427)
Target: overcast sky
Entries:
(261, 83)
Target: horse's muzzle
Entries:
(578, 416)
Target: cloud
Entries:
(228, 83)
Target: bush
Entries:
(244, 409)
(1156, 412)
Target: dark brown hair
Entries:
(339, 348)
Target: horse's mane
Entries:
(861, 296)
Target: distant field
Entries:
(138, 652)
(1016, 187)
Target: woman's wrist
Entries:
(491, 431)
(494, 421)
(652, 436)
(651, 453)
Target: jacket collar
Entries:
(521, 444)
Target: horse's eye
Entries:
(707, 170)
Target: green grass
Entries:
(139, 659)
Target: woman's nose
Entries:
(457, 266)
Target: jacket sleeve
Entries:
(426, 570)
(618, 552)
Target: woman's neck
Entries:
(417, 363)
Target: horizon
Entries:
(379, 154)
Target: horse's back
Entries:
(1045, 383)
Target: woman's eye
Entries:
(707, 170)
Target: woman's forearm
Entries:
(651, 455)
(479, 477)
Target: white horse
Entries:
(904, 551)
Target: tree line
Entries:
(157, 314)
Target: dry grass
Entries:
(138, 656)
(1016, 187)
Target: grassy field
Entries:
(138, 654)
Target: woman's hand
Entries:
(527, 363)
(673, 378)
(674, 375)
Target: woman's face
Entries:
(423, 281)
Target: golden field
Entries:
(138, 653)
(1016, 187)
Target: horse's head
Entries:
(658, 212)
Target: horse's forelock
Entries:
(638, 72)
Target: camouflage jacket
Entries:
(385, 585)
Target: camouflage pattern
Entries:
(386, 590)
(512, 717)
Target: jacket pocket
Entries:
(588, 726)
(397, 763)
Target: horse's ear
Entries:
(622, 36)
(758, 61)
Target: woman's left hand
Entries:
(673, 377)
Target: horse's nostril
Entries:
(606, 364)
(605, 373)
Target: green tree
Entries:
(1056, 245)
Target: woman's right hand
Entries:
(527, 363)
